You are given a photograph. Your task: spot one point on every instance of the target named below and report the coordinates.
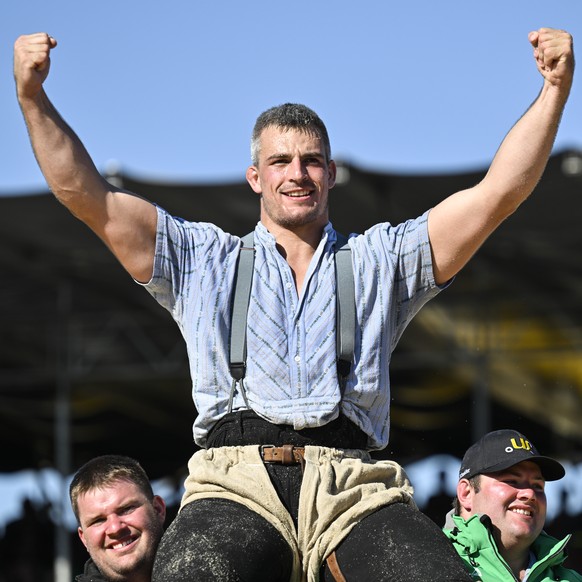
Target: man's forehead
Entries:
(521, 468)
(279, 142)
(118, 491)
(290, 134)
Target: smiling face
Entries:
(121, 529)
(515, 501)
(293, 178)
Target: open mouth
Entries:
(297, 194)
(123, 543)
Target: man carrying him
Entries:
(498, 516)
(120, 519)
(285, 469)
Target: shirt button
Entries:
(297, 359)
(288, 285)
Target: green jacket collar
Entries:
(476, 546)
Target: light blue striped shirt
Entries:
(291, 373)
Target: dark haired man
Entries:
(498, 516)
(285, 468)
(120, 519)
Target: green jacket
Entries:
(475, 544)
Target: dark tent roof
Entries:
(501, 347)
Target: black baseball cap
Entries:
(501, 449)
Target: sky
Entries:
(170, 90)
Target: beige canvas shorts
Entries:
(339, 489)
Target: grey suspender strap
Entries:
(345, 308)
(345, 312)
(238, 318)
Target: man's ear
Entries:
(332, 173)
(465, 493)
(81, 535)
(254, 179)
(159, 507)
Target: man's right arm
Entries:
(125, 222)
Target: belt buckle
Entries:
(262, 450)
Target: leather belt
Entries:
(284, 455)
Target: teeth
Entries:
(522, 511)
(121, 544)
(296, 194)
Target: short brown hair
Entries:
(105, 470)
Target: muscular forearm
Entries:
(64, 161)
(521, 159)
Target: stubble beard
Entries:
(141, 564)
(289, 221)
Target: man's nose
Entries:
(114, 524)
(297, 169)
(527, 492)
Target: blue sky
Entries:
(171, 89)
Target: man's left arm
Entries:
(460, 224)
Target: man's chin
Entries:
(302, 220)
(118, 570)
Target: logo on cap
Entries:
(523, 444)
